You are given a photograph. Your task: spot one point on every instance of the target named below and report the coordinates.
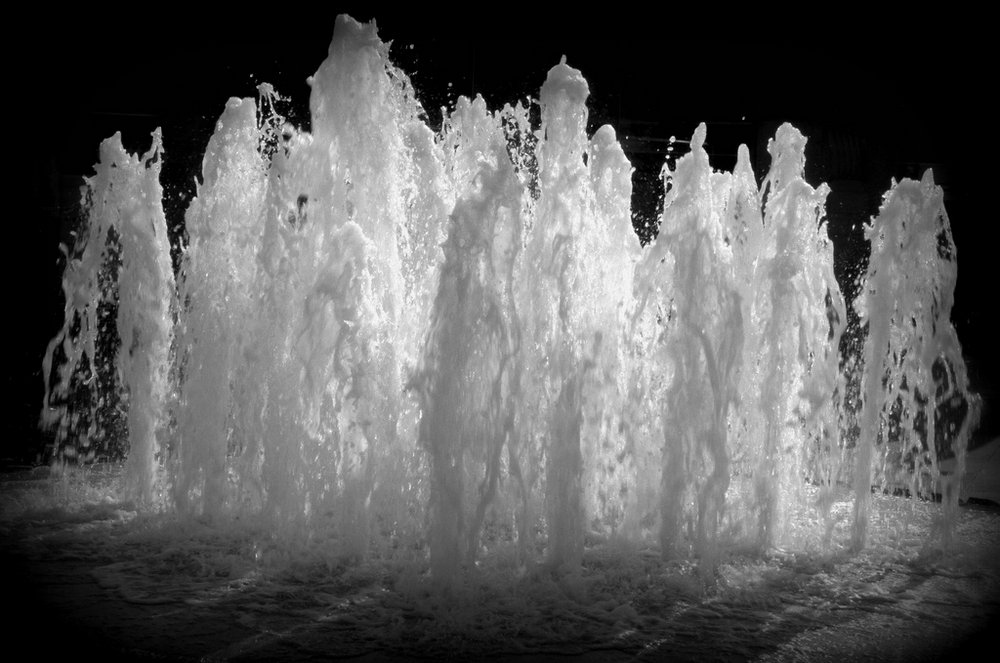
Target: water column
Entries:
(466, 378)
(701, 345)
(217, 274)
(737, 196)
(914, 371)
(611, 249)
(798, 312)
(145, 293)
(121, 255)
(552, 305)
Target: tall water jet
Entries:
(738, 201)
(122, 256)
(552, 255)
(917, 404)
(611, 251)
(798, 314)
(703, 348)
(576, 256)
(469, 372)
(223, 227)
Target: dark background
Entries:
(872, 109)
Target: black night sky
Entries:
(870, 114)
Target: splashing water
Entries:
(916, 391)
(122, 255)
(403, 342)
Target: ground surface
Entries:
(87, 575)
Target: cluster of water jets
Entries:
(400, 341)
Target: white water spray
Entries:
(436, 345)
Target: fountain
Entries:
(435, 347)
